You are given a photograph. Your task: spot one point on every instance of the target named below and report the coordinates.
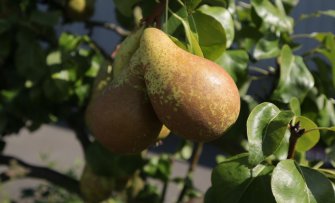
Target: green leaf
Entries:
(234, 181)
(267, 47)
(273, 17)
(295, 78)
(68, 42)
(54, 58)
(222, 16)
(257, 123)
(159, 167)
(328, 50)
(56, 90)
(295, 106)
(235, 62)
(191, 35)
(276, 133)
(29, 57)
(45, 18)
(125, 7)
(211, 46)
(192, 4)
(293, 183)
(310, 139)
(330, 13)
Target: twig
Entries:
(188, 179)
(110, 26)
(165, 186)
(51, 176)
(156, 14)
(78, 126)
(296, 133)
(98, 48)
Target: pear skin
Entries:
(194, 97)
(126, 51)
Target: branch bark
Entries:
(39, 172)
(188, 179)
(110, 26)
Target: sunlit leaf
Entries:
(191, 35)
(257, 123)
(267, 47)
(54, 58)
(272, 16)
(295, 78)
(328, 50)
(310, 139)
(296, 184)
(295, 106)
(222, 16)
(68, 41)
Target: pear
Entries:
(126, 51)
(80, 10)
(121, 116)
(192, 96)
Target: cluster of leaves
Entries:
(45, 78)
(255, 42)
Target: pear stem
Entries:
(188, 179)
(154, 18)
(39, 172)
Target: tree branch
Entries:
(194, 161)
(78, 126)
(47, 174)
(110, 26)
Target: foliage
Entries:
(46, 77)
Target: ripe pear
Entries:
(192, 96)
(121, 116)
(80, 10)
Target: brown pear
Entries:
(120, 116)
(192, 96)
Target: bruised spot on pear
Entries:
(192, 96)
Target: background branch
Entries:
(44, 173)
(110, 26)
(188, 179)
